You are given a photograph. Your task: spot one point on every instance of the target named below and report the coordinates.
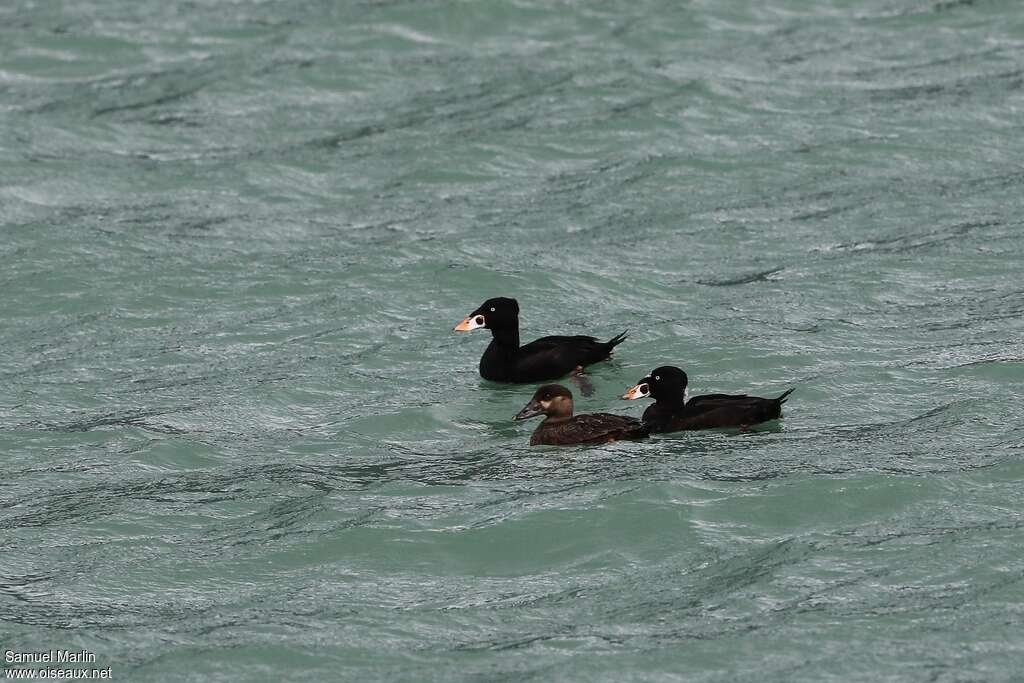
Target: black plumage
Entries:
(546, 358)
(671, 411)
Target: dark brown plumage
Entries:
(562, 428)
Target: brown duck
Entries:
(562, 428)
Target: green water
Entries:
(240, 442)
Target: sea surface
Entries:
(239, 440)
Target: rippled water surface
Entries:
(240, 441)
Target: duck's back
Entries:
(588, 428)
(538, 361)
(557, 356)
(714, 411)
(543, 359)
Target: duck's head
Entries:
(552, 400)
(664, 383)
(497, 313)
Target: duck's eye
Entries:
(657, 377)
(492, 309)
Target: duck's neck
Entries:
(675, 401)
(506, 338)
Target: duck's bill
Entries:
(639, 391)
(531, 409)
(472, 322)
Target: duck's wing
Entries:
(606, 427)
(716, 399)
(590, 348)
(724, 410)
(589, 429)
(556, 356)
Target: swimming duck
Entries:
(546, 358)
(562, 428)
(672, 412)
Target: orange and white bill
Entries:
(639, 391)
(473, 322)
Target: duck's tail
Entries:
(594, 351)
(616, 340)
(782, 399)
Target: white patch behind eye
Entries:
(476, 322)
(686, 395)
